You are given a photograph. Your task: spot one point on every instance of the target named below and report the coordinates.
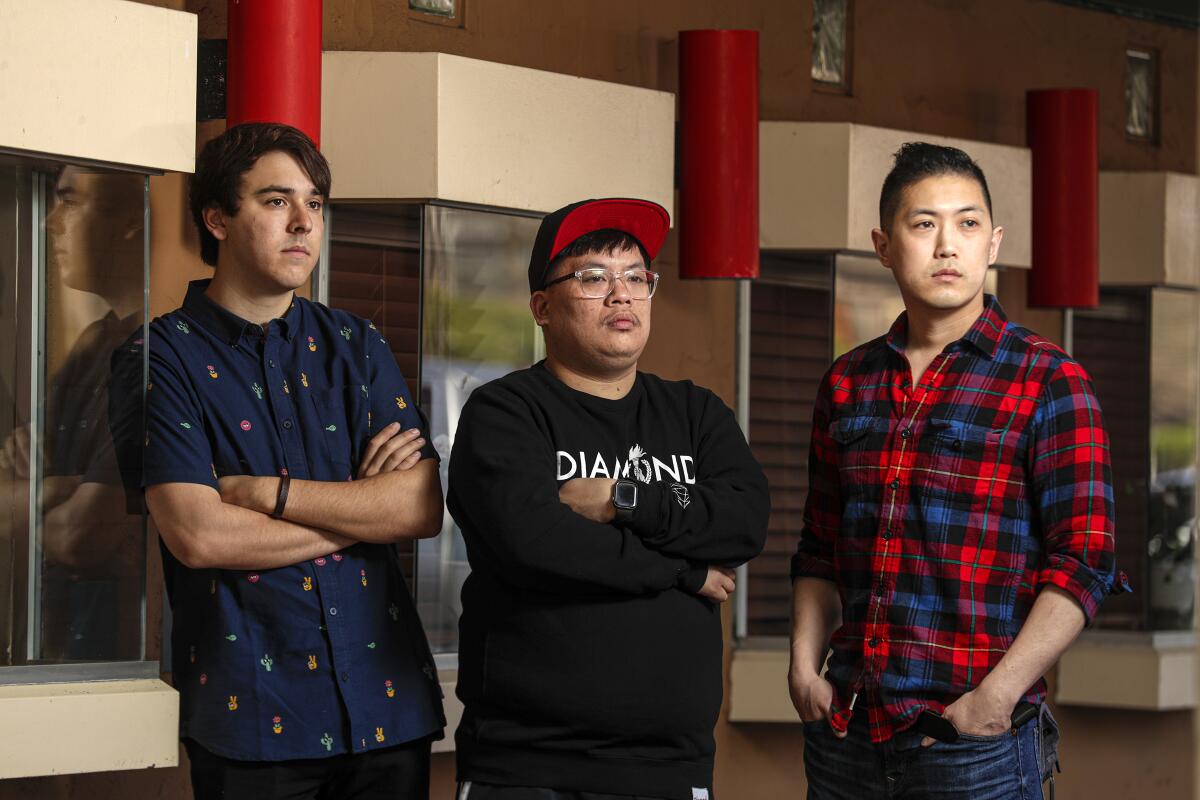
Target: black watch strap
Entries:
(624, 508)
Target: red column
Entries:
(274, 64)
(1061, 133)
(718, 154)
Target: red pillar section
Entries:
(718, 154)
(1061, 133)
(274, 64)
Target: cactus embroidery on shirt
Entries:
(277, 724)
(363, 576)
(258, 390)
(327, 740)
(389, 689)
(266, 661)
(312, 345)
(183, 326)
(394, 612)
(212, 372)
(187, 426)
(346, 333)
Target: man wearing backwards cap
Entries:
(603, 510)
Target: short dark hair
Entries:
(225, 159)
(916, 161)
(605, 241)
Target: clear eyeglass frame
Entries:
(597, 283)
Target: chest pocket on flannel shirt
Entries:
(960, 461)
(335, 431)
(860, 441)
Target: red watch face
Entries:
(625, 495)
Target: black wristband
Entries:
(285, 483)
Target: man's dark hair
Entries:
(605, 241)
(225, 159)
(916, 161)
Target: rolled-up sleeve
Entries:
(1071, 486)
(823, 507)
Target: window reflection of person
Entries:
(90, 544)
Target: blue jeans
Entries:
(1003, 767)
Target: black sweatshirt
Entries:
(587, 661)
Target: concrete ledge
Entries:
(60, 728)
(1148, 671)
(758, 690)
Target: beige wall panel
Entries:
(803, 185)
(1132, 239)
(1007, 170)
(819, 185)
(1182, 249)
(87, 727)
(379, 124)
(425, 125)
(99, 79)
(521, 138)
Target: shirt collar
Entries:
(229, 326)
(984, 335)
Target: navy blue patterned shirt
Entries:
(318, 658)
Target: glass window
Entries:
(789, 353)
(830, 43)
(1142, 349)
(1141, 92)
(1174, 385)
(447, 287)
(477, 327)
(72, 287)
(443, 8)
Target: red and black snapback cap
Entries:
(643, 220)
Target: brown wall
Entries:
(955, 69)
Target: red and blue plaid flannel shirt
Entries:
(941, 510)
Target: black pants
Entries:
(395, 773)
(487, 791)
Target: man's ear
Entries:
(994, 249)
(214, 219)
(879, 239)
(539, 306)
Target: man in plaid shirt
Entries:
(959, 527)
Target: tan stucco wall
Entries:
(1140, 754)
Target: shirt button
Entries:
(873, 642)
(887, 535)
(895, 484)
(333, 612)
(272, 363)
(879, 590)
(287, 423)
(904, 434)
(345, 677)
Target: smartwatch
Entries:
(624, 500)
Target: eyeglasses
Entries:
(598, 283)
